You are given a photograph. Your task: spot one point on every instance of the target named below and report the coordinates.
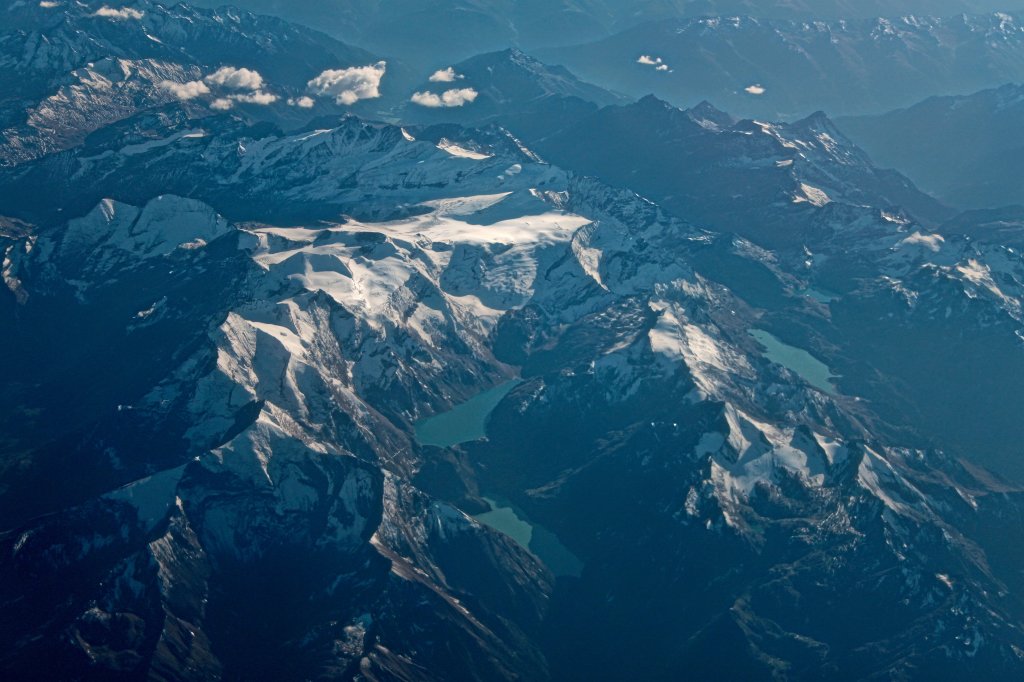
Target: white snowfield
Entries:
(982, 270)
(461, 152)
(358, 306)
(488, 268)
(115, 230)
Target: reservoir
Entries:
(824, 297)
(797, 360)
(463, 423)
(544, 544)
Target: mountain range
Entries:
(67, 71)
(457, 29)
(781, 60)
(452, 30)
(537, 383)
(845, 9)
(778, 68)
(283, 416)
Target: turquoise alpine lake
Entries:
(463, 423)
(820, 295)
(505, 520)
(811, 369)
(541, 542)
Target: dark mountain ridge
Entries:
(966, 149)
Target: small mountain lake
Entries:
(811, 369)
(466, 423)
(544, 544)
(463, 423)
(819, 295)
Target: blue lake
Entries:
(464, 423)
(811, 369)
(820, 295)
(544, 544)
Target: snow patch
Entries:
(811, 195)
(456, 150)
(932, 242)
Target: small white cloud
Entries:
(426, 99)
(47, 4)
(657, 62)
(117, 14)
(185, 91)
(755, 90)
(258, 97)
(446, 76)
(301, 102)
(348, 86)
(232, 78)
(450, 98)
(246, 83)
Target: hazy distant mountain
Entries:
(846, 9)
(430, 31)
(778, 68)
(967, 150)
(433, 31)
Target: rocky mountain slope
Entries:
(750, 177)
(304, 392)
(69, 68)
